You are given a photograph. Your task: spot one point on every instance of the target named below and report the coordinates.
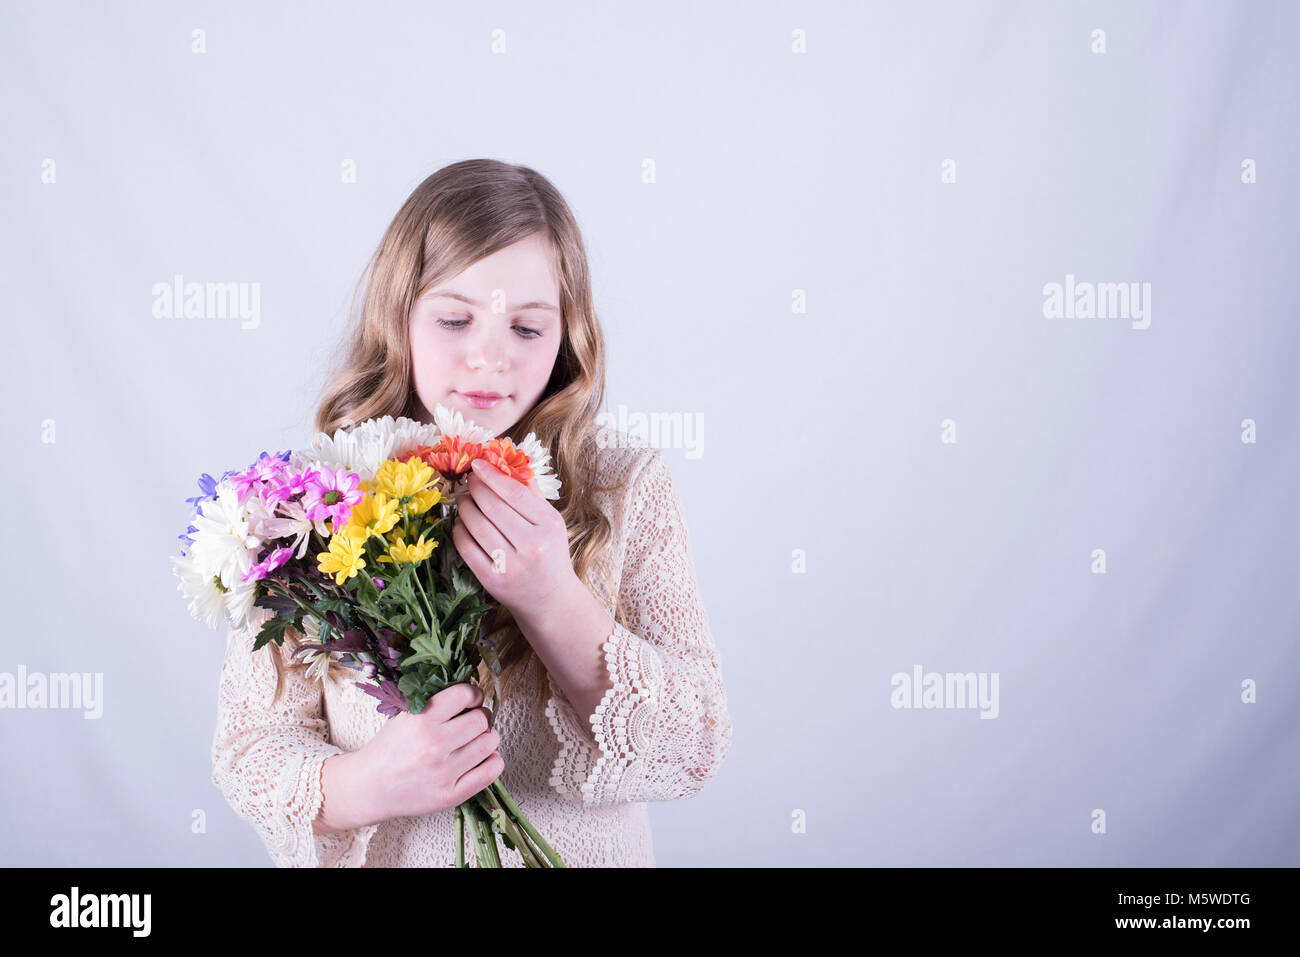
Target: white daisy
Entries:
(410, 433)
(239, 602)
(539, 458)
(318, 660)
(344, 451)
(206, 602)
(364, 447)
(450, 422)
(223, 545)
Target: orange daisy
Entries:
(503, 454)
(451, 457)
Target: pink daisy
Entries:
(273, 561)
(332, 495)
(288, 486)
(267, 470)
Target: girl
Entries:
(611, 692)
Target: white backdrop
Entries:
(822, 234)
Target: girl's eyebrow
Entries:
(447, 294)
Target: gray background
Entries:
(776, 172)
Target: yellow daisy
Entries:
(403, 479)
(399, 551)
(346, 555)
(376, 514)
(423, 501)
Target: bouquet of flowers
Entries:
(349, 543)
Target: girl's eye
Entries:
(524, 331)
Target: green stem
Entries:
(419, 588)
(527, 825)
(430, 569)
(359, 656)
(288, 592)
(471, 816)
(490, 842)
(425, 611)
(420, 606)
(375, 616)
(532, 857)
(460, 837)
(486, 807)
(445, 557)
(538, 859)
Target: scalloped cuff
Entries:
(607, 763)
(293, 843)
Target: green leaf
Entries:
(426, 648)
(272, 630)
(448, 604)
(463, 580)
(409, 684)
(367, 594)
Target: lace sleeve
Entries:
(662, 730)
(267, 760)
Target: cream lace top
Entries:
(660, 733)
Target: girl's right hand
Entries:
(429, 762)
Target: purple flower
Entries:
(185, 539)
(268, 469)
(208, 486)
(273, 561)
(288, 486)
(332, 495)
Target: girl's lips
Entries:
(480, 401)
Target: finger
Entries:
(488, 535)
(472, 753)
(478, 560)
(479, 777)
(506, 522)
(519, 497)
(453, 700)
(464, 728)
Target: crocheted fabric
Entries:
(660, 733)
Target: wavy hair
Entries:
(457, 216)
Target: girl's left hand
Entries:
(514, 540)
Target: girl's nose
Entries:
(487, 352)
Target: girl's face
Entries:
(494, 330)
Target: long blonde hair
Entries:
(457, 216)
